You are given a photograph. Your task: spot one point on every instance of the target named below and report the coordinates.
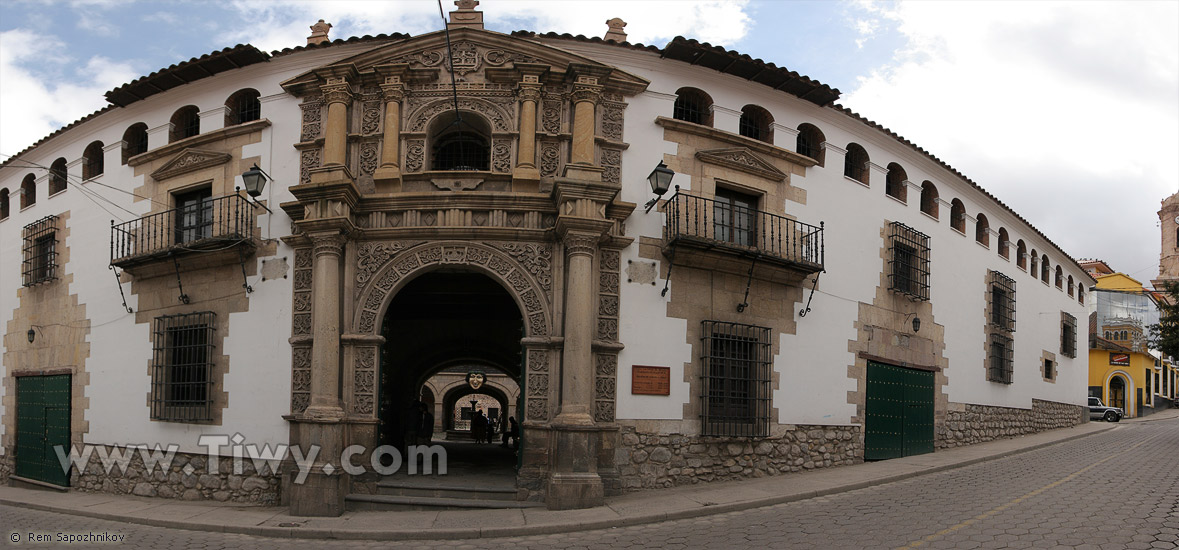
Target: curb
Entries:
(526, 530)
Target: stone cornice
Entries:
(190, 160)
(735, 139)
(197, 141)
(741, 158)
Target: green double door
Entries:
(42, 423)
(899, 411)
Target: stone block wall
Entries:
(6, 467)
(667, 460)
(179, 481)
(967, 424)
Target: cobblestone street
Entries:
(1118, 489)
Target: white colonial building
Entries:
(812, 290)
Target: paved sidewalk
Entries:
(630, 509)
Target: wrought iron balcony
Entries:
(208, 225)
(707, 223)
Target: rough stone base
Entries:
(244, 485)
(967, 424)
(654, 460)
(6, 467)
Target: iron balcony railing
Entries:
(725, 224)
(207, 224)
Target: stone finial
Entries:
(615, 34)
(465, 15)
(319, 33)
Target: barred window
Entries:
(755, 123)
(692, 105)
(1002, 302)
(243, 106)
(909, 259)
(40, 251)
(182, 367)
(735, 370)
(1000, 362)
(1049, 369)
(855, 163)
(810, 142)
(1068, 335)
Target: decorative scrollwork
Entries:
(538, 409)
(550, 159)
(494, 113)
(415, 152)
(371, 256)
(536, 258)
(612, 122)
(308, 159)
(607, 364)
(501, 156)
(368, 158)
(370, 118)
(538, 385)
(550, 116)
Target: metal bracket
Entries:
(119, 283)
(183, 296)
(670, 264)
(748, 282)
(241, 256)
(807, 309)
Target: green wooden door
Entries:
(899, 412)
(42, 423)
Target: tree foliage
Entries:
(1164, 336)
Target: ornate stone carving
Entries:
(498, 117)
(312, 118)
(604, 388)
(538, 385)
(580, 243)
(302, 280)
(415, 152)
(537, 325)
(550, 159)
(528, 93)
(336, 90)
(501, 156)
(608, 282)
(371, 256)
(368, 321)
(301, 324)
(368, 158)
(741, 158)
(538, 361)
(608, 305)
(364, 380)
(302, 302)
(612, 122)
(612, 165)
(592, 94)
(550, 116)
(608, 329)
(307, 160)
(536, 258)
(190, 160)
(538, 409)
(370, 118)
(607, 364)
(604, 411)
(328, 245)
(299, 402)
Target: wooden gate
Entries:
(42, 423)
(899, 412)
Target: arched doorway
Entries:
(442, 320)
(1117, 393)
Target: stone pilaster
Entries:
(388, 175)
(586, 94)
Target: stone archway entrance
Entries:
(1117, 393)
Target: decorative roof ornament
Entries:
(465, 16)
(615, 33)
(319, 33)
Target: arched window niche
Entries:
(460, 142)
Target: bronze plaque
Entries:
(650, 380)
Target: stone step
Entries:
(461, 492)
(389, 502)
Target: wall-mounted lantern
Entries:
(660, 180)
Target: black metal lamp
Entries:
(660, 180)
(916, 324)
(255, 180)
(32, 335)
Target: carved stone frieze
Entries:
(741, 158)
(536, 258)
(550, 159)
(612, 165)
(537, 386)
(497, 115)
(364, 376)
(189, 160)
(307, 160)
(312, 118)
(612, 122)
(372, 255)
(550, 116)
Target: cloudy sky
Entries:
(1068, 112)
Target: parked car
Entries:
(1098, 410)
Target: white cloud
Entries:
(1067, 112)
(286, 23)
(34, 103)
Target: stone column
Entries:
(325, 327)
(388, 175)
(586, 93)
(338, 94)
(526, 172)
(577, 369)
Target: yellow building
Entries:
(1122, 371)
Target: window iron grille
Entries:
(855, 164)
(462, 151)
(807, 146)
(40, 251)
(1000, 358)
(689, 108)
(1068, 335)
(182, 367)
(1002, 298)
(735, 373)
(751, 126)
(1049, 369)
(909, 261)
(249, 108)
